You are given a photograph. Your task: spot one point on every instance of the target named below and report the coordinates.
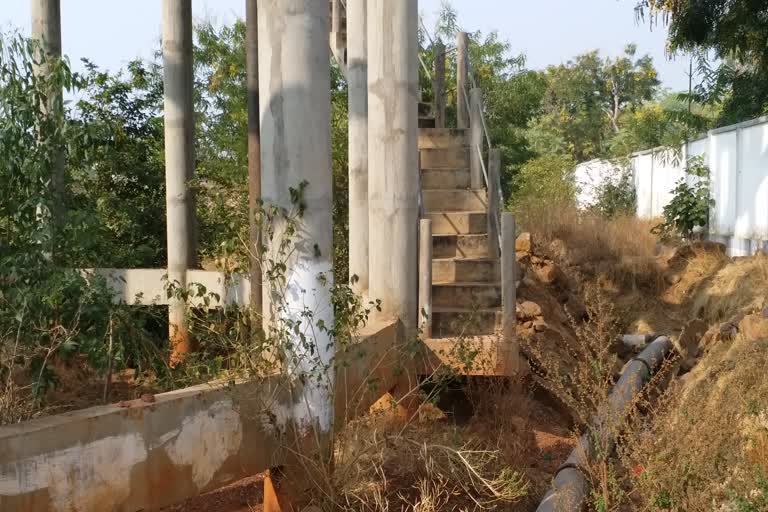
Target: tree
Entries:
(735, 30)
(585, 99)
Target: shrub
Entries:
(547, 179)
(616, 196)
(690, 204)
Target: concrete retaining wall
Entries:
(142, 456)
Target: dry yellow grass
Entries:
(622, 249)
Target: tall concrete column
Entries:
(179, 162)
(254, 156)
(462, 80)
(46, 28)
(294, 85)
(393, 188)
(357, 81)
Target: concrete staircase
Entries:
(466, 280)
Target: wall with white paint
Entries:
(737, 157)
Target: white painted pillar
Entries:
(179, 162)
(46, 28)
(294, 87)
(357, 81)
(393, 188)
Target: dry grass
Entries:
(737, 287)
(706, 447)
(622, 249)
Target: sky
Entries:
(112, 32)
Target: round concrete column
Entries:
(179, 162)
(357, 80)
(294, 88)
(393, 188)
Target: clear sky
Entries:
(112, 32)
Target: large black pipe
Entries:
(570, 487)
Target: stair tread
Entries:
(445, 309)
(479, 284)
(459, 234)
(479, 259)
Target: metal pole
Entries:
(438, 85)
(254, 158)
(357, 80)
(393, 181)
(462, 75)
(494, 184)
(476, 179)
(179, 163)
(425, 277)
(510, 344)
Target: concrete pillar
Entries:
(494, 201)
(476, 178)
(179, 162)
(357, 81)
(510, 347)
(46, 28)
(425, 277)
(254, 157)
(393, 190)
(295, 100)
(462, 80)
(438, 85)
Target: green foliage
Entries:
(46, 310)
(547, 179)
(585, 99)
(616, 197)
(690, 204)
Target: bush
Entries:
(616, 197)
(690, 204)
(547, 179)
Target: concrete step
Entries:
(444, 178)
(442, 138)
(486, 270)
(426, 122)
(447, 200)
(459, 246)
(442, 158)
(458, 223)
(466, 295)
(449, 322)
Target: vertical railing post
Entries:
(510, 349)
(475, 138)
(462, 56)
(438, 85)
(425, 277)
(494, 200)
